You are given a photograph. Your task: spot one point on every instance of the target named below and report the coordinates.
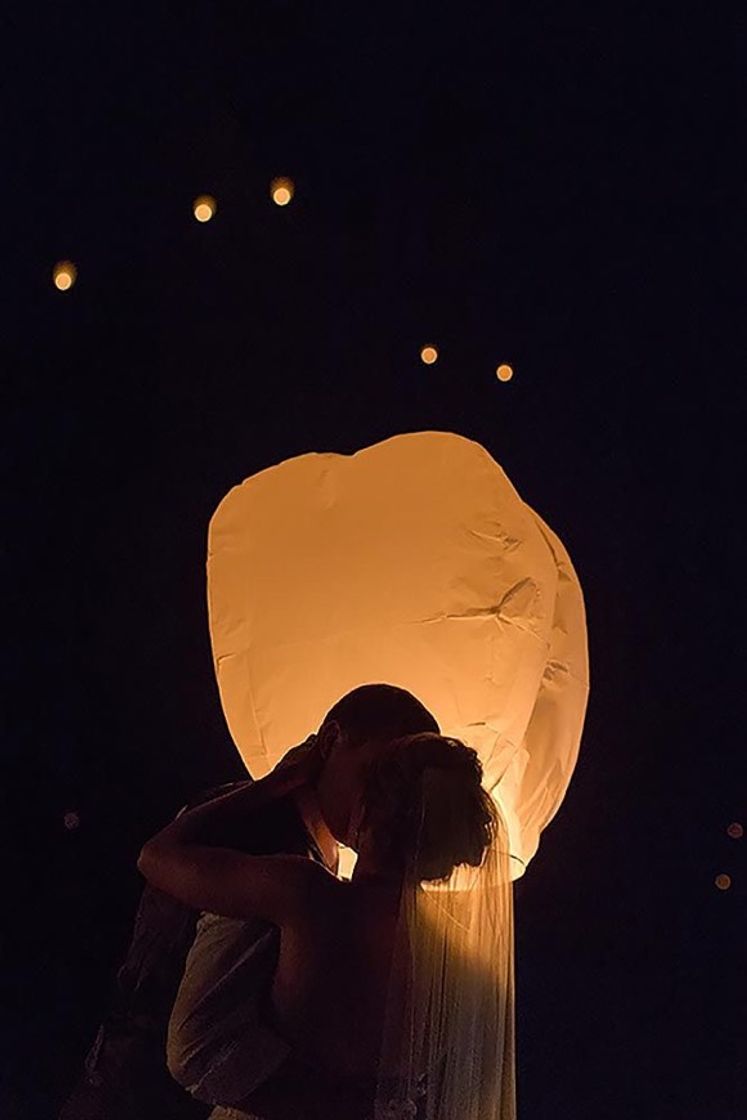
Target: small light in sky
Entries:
(204, 207)
(282, 190)
(429, 355)
(504, 373)
(64, 275)
(723, 882)
(72, 820)
(735, 830)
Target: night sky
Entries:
(529, 183)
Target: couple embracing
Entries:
(386, 996)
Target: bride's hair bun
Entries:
(427, 808)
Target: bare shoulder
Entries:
(314, 893)
(306, 875)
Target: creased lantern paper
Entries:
(412, 562)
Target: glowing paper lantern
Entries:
(64, 275)
(204, 207)
(282, 190)
(429, 354)
(504, 373)
(416, 563)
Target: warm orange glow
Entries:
(282, 191)
(204, 207)
(723, 882)
(735, 830)
(504, 373)
(429, 354)
(64, 275)
(413, 562)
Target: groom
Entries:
(217, 1042)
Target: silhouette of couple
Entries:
(305, 996)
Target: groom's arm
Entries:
(219, 1047)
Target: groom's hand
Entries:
(299, 766)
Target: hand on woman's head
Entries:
(299, 766)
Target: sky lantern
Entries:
(282, 190)
(504, 372)
(412, 562)
(64, 275)
(429, 354)
(204, 207)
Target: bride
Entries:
(395, 988)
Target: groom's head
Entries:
(361, 723)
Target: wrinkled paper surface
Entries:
(412, 562)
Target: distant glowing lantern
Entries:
(64, 275)
(282, 190)
(504, 373)
(723, 882)
(204, 207)
(413, 562)
(735, 830)
(429, 354)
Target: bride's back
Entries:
(425, 813)
(334, 975)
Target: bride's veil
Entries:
(448, 1050)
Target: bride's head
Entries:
(424, 809)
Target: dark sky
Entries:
(529, 183)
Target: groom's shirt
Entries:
(125, 1073)
(219, 1045)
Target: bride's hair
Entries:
(424, 802)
